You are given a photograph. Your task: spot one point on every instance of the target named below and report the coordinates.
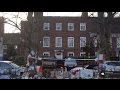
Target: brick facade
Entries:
(91, 27)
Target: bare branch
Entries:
(10, 22)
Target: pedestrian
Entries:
(41, 71)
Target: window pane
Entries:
(70, 54)
(70, 41)
(58, 26)
(46, 42)
(70, 26)
(82, 26)
(58, 42)
(46, 26)
(46, 54)
(82, 41)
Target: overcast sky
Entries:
(11, 29)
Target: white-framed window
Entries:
(4, 46)
(118, 42)
(95, 42)
(82, 53)
(58, 42)
(82, 26)
(46, 54)
(70, 54)
(82, 41)
(58, 26)
(46, 41)
(70, 41)
(70, 26)
(46, 26)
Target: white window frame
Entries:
(48, 53)
(82, 25)
(48, 42)
(82, 53)
(69, 38)
(70, 53)
(118, 42)
(70, 25)
(82, 45)
(56, 38)
(58, 26)
(46, 26)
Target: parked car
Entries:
(112, 66)
(8, 67)
(93, 67)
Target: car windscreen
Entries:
(113, 63)
(91, 66)
(14, 65)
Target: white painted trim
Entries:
(46, 25)
(69, 41)
(82, 25)
(58, 26)
(56, 38)
(48, 42)
(70, 53)
(70, 25)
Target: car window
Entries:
(113, 63)
(5, 65)
(14, 65)
(92, 67)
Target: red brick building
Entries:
(62, 37)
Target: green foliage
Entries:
(20, 60)
(46, 73)
(11, 53)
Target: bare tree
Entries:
(14, 18)
(105, 32)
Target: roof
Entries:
(6, 61)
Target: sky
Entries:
(23, 15)
(11, 15)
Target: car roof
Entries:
(112, 61)
(6, 61)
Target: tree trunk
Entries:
(104, 33)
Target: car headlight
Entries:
(102, 73)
